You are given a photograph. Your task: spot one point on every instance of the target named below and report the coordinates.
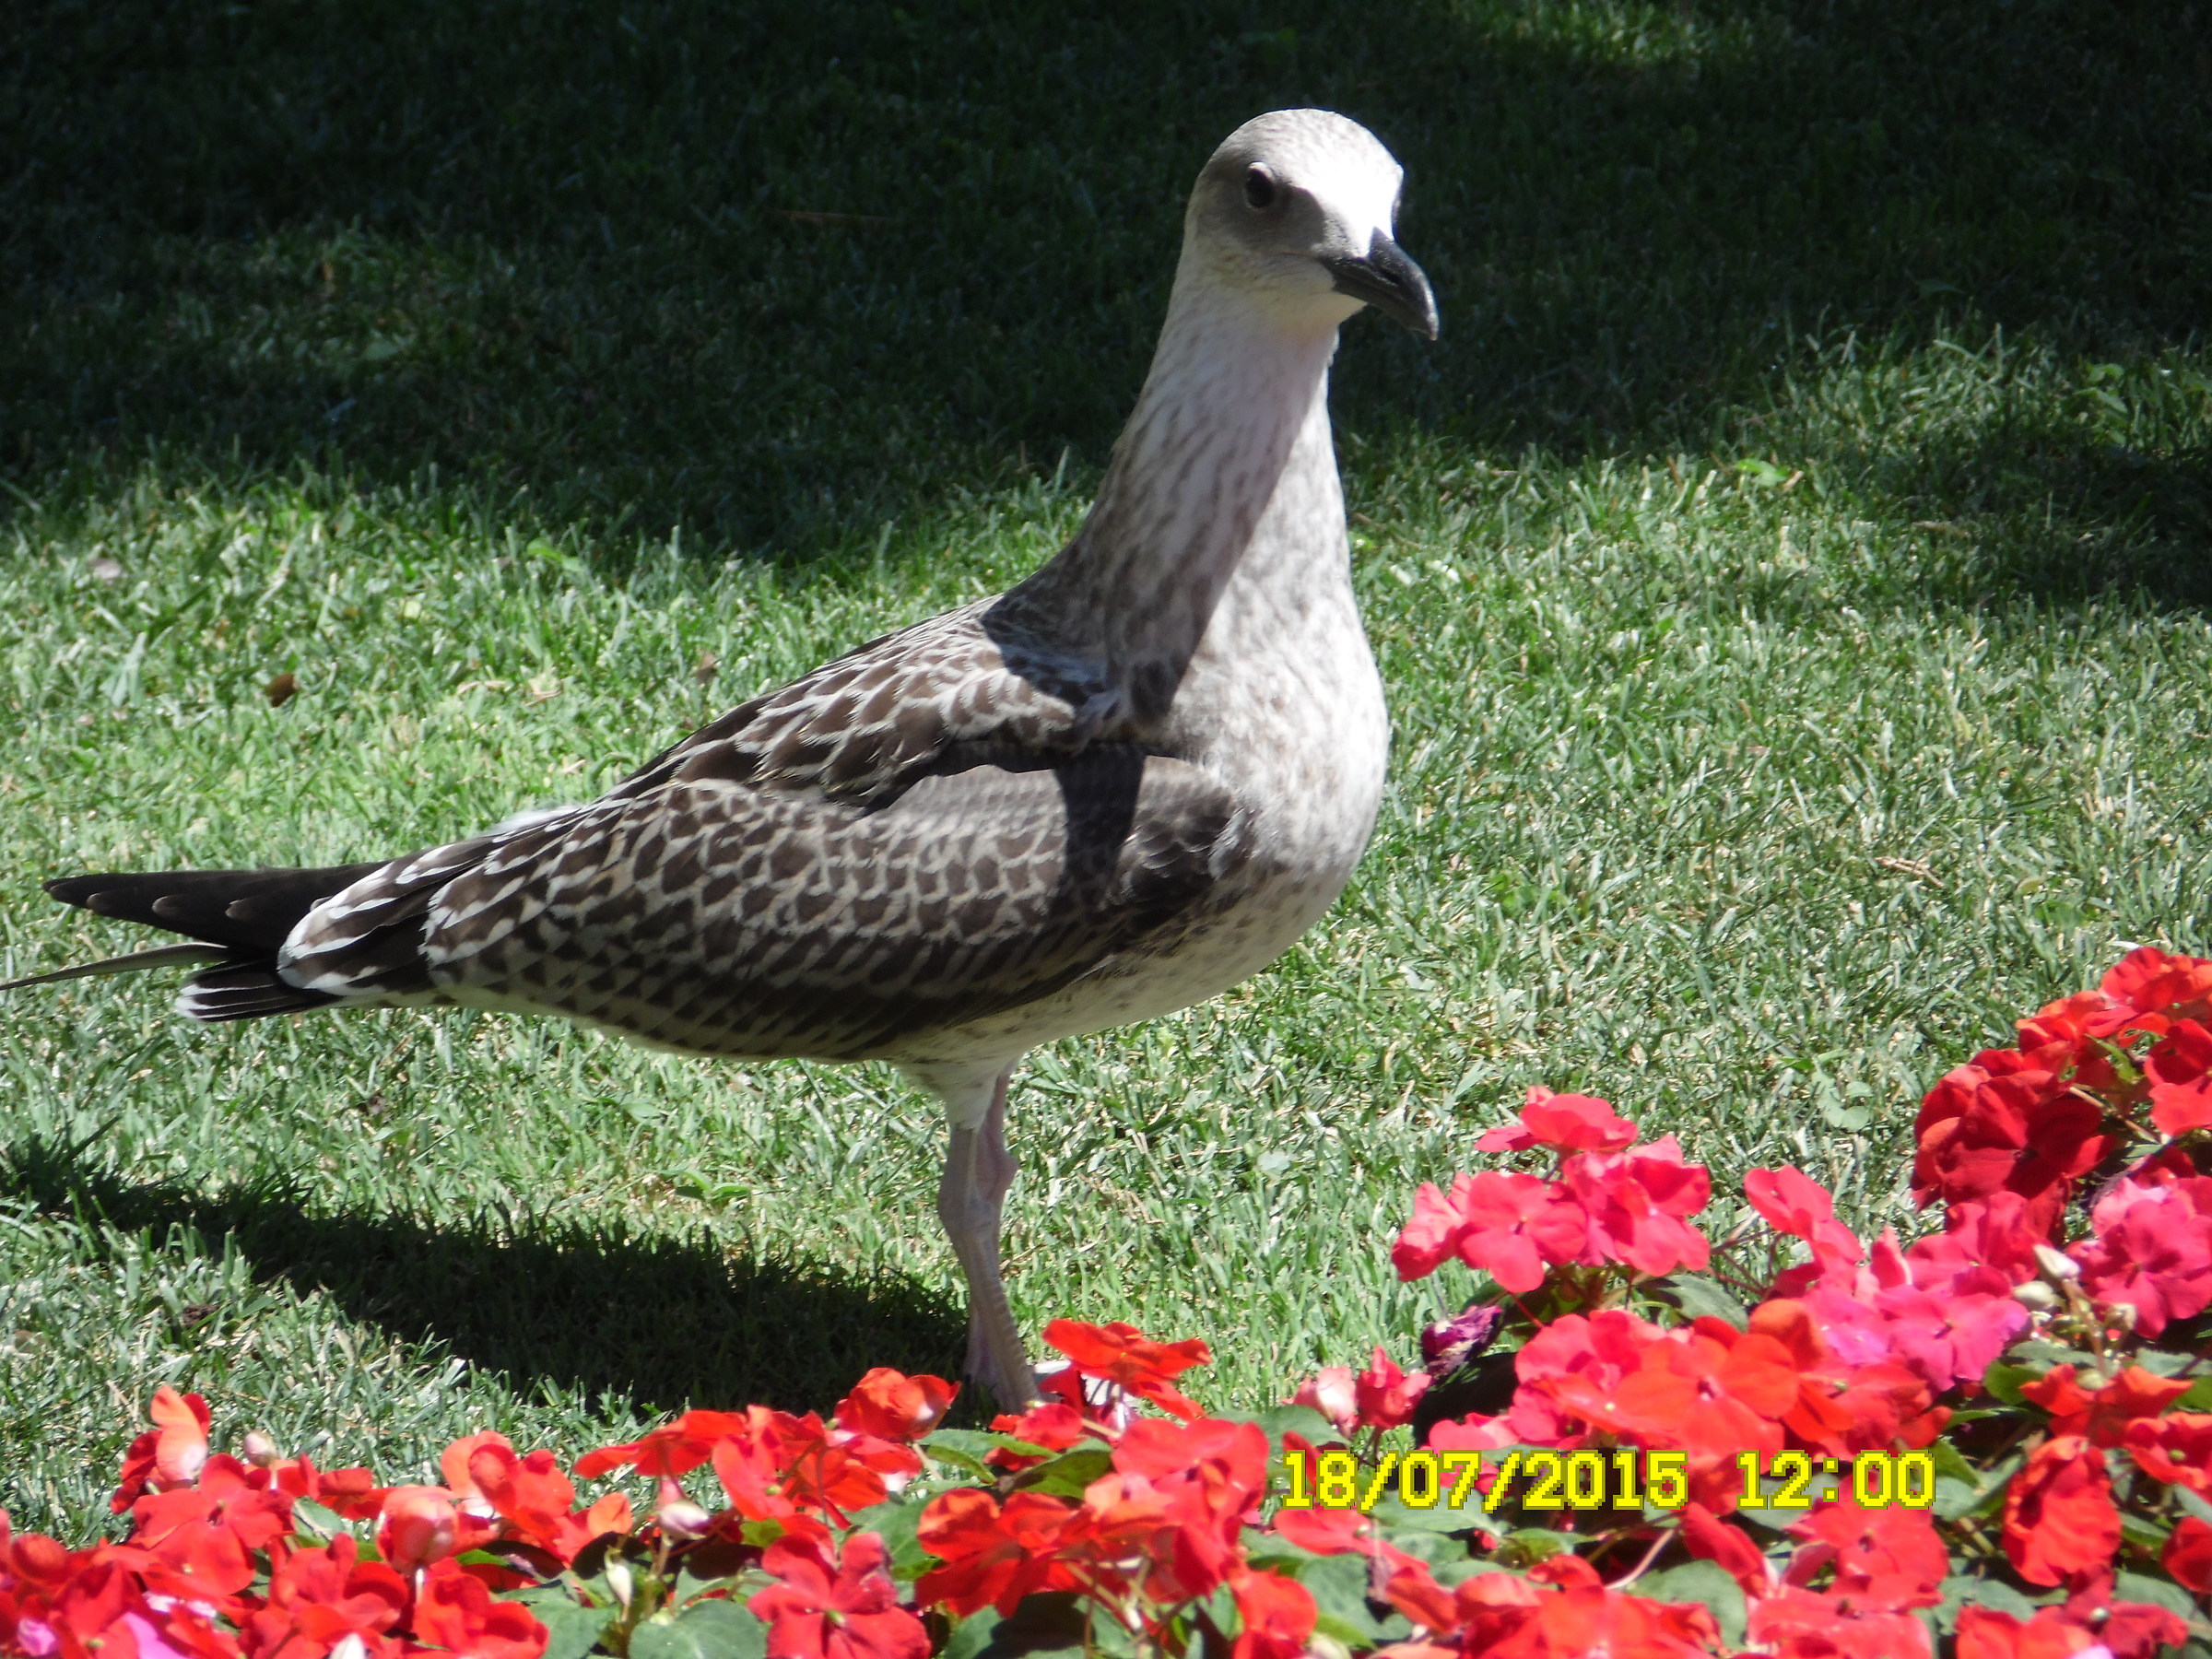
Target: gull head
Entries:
(1296, 212)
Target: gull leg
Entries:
(971, 1202)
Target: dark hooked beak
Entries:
(1390, 282)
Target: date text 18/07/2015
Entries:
(1626, 1479)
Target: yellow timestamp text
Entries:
(1625, 1477)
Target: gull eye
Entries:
(1259, 187)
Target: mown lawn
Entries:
(1791, 570)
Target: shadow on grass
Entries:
(777, 272)
(658, 1320)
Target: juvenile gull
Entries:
(1115, 789)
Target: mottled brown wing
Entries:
(864, 726)
(724, 919)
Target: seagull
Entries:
(1124, 785)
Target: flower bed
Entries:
(1636, 1442)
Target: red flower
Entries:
(1053, 1426)
(894, 1406)
(1711, 1389)
(2180, 1070)
(2152, 1250)
(2147, 990)
(991, 1555)
(2106, 1415)
(2175, 1449)
(1885, 1560)
(2003, 1123)
(453, 1610)
(1430, 1236)
(318, 1597)
(1123, 1355)
(1573, 1122)
(228, 1496)
(1801, 1624)
(194, 1562)
(1385, 1396)
(822, 1607)
(1947, 1335)
(1708, 1538)
(1278, 1615)
(2059, 1518)
(1324, 1531)
(2188, 1555)
(2130, 1630)
(675, 1448)
(169, 1453)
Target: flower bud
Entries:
(350, 1646)
(622, 1583)
(2037, 1295)
(417, 1526)
(2056, 1264)
(679, 1518)
(2121, 1314)
(261, 1451)
(1450, 1344)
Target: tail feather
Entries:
(240, 918)
(242, 909)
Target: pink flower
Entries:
(1638, 1203)
(1573, 1122)
(1951, 1335)
(1791, 1202)
(1332, 1392)
(1514, 1225)
(2152, 1250)
(1508, 1224)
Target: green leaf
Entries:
(1955, 1498)
(707, 1630)
(894, 1524)
(1706, 1583)
(2044, 1355)
(1042, 1626)
(1951, 1462)
(572, 1629)
(1338, 1586)
(2192, 1504)
(1528, 1545)
(323, 1524)
(2004, 1381)
(966, 1449)
(1392, 1516)
(1961, 1590)
(1279, 1420)
(1068, 1473)
(2160, 1363)
(2157, 1592)
(2198, 1399)
(1697, 1296)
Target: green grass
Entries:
(1790, 571)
